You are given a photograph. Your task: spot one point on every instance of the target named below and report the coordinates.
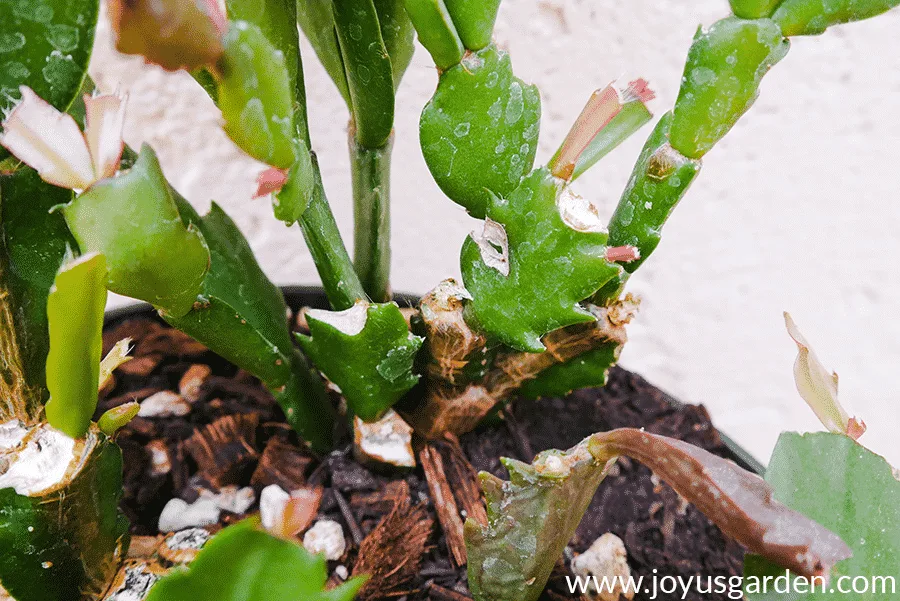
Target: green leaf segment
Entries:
(862, 505)
(551, 265)
(244, 563)
(479, 132)
(133, 220)
(75, 309)
(367, 351)
(241, 316)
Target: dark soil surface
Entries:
(235, 434)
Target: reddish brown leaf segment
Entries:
(174, 34)
(739, 502)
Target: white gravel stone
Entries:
(179, 515)
(605, 558)
(164, 404)
(326, 536)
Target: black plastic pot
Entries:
(309, 296)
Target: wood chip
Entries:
(464, 479)
(192, 381)
(141, 366)
(143, 547)
(283, 464)
(392, 553)
(380, 502)
(444, 503)
(349, 518)
(171, 342)
(439, 593)
(222, 448)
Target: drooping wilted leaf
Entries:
(533, 517)
(367, 351)
(75, 309)
(367, 64)
(132, 219)
(853, 492)
(479, 132)
(244, 563)
(555, 253)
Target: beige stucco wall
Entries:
(797, 209)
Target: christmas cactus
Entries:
(542, 308)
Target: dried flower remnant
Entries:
(114, 359)
(603, 106)
(819, 388)
(50, 142)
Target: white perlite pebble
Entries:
(180, 515)
(606, 558)
(389, 440)
(235, 500)
(341, 572)
(326, 536)
(41, 464)
(164, 404)
(272, 501)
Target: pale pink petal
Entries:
(819, 387)
(622, 254)
(103, 126)
(217, 16)
(270, 180)
(600, 110)
(49, 141)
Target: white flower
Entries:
(819, 387)
(51, 143)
